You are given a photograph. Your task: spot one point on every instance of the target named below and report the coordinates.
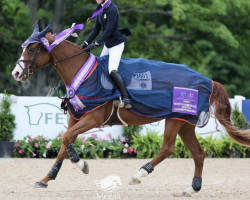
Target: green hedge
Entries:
(92, 147)
(143, 146)
(149, 145)
(7, 119)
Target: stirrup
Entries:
(119, 102)
(127, 102)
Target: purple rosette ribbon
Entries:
(78, 80)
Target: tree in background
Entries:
(7, 118)
(239, 119)
(210, 36)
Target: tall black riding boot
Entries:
(116, 77)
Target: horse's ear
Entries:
(44, 32)
(36, 29)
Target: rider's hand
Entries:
(91, 46)
(84, 45)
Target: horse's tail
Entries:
(223, 112)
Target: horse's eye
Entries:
(31, 49)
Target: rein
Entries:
(55, 63)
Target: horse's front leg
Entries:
(171, 129)
(57, 165)
(187, 134)
(67, 149)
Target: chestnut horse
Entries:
(67, 59)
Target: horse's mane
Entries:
(72, 44)
(67, 42)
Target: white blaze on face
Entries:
(18, 70)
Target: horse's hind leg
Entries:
(171, 129)
(187, 134)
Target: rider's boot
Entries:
(116, 77)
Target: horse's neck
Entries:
(68, 68)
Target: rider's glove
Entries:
(91, 46)
(84, 45)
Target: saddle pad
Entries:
(150, 85)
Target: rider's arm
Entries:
(94, 32)
(112, 16)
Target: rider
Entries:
(108, 19)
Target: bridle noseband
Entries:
(30, 69)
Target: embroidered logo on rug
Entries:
(185, 100)
(141, 81)
(141, 76)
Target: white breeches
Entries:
(115, 54)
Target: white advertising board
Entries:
(43, 116)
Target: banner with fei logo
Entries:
(39, 116)
(43, 116)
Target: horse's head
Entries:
(33, 57)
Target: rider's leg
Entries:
(115, 54)
(105, 51)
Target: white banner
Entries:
(43, 116)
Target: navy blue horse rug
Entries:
(157, 90)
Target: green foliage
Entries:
(212, 146)
(129, 131)
(181, 150)
(31, 147)
(144, 146)
(212, 37)
(7, 119)
(92, 147)
(147, 146)
(15, 27)
(230, 147)
(239, 119)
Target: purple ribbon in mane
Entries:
(98, 10)
(60, 37)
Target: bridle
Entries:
(30, 69)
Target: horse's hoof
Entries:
(134, 181)
(85, 168)
(41, 184)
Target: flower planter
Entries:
(235, 153)
(6, 149)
